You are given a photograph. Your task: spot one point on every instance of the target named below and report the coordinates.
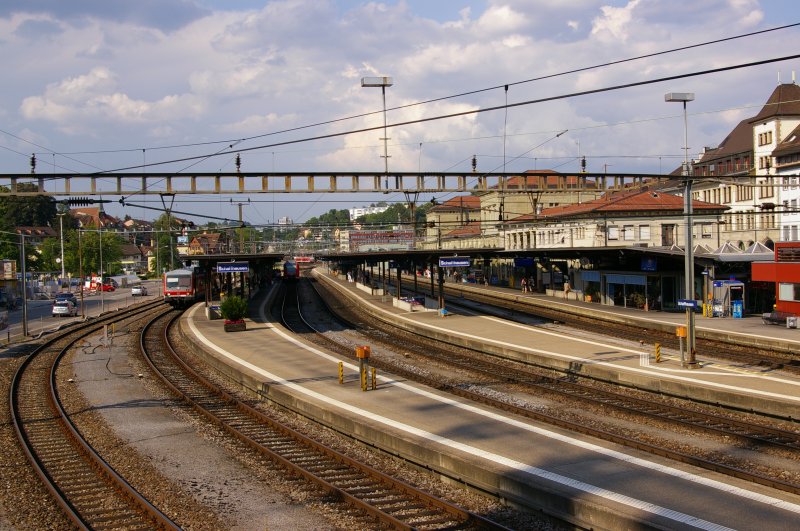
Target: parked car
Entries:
(64, 308)
(65, 297)
(138, 290)
(107, 287)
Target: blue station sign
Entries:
(233, 267)
(454, 262)
(687, 303)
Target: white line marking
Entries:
(665, 372)
(640, 504)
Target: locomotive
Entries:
(183, 287)
(291, 270)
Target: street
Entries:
(40, 316)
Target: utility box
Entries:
(791, 322)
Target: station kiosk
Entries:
(728, 299)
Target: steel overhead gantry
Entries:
(132, 184)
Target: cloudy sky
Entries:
(100, 85)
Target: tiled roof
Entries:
(94, 216)
(790, 144)
(42, 232)
(533, 178)
(647, 202)
(468, 202)
(473, 228)
(129, 249)
(739, 140)
(784, 101)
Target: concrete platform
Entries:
(590, 482)
(750, 388)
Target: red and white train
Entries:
(291, 270)
(183, 287)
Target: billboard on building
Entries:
(381, 240)
(9, 269)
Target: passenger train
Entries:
(183, 287)
(291, 270)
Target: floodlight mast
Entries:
(382, 82)
(685, 97)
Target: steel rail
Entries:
(60, 427)
(231, 414)
(428, 351)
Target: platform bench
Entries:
(776, 318)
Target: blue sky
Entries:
(100, 85)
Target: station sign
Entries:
(454, 262)
(233, 267)
(687, 303)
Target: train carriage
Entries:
(291, 270)
(183, 287)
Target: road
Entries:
(40, 316)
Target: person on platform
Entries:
(524, 285)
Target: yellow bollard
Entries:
(364, 379)
(341, 372)
(374, 378)
(658, 352)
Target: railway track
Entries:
(751, 355)
(495, 371)
(381, 497)
(91, 494)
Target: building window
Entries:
(629, 232)
(613, 232)
(765, 138)
(794, 233)
(788, 291)
(644, 232)
(766, 189)
(744, 193)
(705, 230)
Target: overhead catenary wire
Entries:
(476, 111)
(448, 97)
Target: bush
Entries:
(233, 308)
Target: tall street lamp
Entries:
(381, 82)
(685, 97)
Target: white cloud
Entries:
(614, 23)
(121, 80)
(500, 19)
(78, 103)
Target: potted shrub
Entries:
(234, 309)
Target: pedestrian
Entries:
(531, 284)
(524, 284)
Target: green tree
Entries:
(395, 214)
(90, 241)
(165, 243)
(31, 211)
(9, 241)
(334, 218)
(48, 257)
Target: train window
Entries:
(179, 282)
